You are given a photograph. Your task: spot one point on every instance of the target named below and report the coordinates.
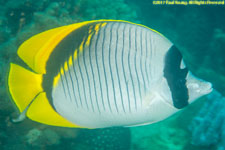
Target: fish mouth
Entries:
(200, 87)
(208, 87)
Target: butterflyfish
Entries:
(104, 73)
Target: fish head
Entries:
(182, 87)
(197, 87)
(194, 87)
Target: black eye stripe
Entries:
(176, 77)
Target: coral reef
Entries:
(33, 135)
(165, 135)
(36, 137)
(207, 127)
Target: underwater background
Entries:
(197, 30)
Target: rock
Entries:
(33, 136)
(51, 137)
(162, 136)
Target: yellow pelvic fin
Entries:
(41, 111)
(23, 85)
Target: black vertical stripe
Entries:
(89, 85)
(93, 75)
(150, 67)
(129, 62)
(176, 77)
(125, 79)
(62, 82)
(76, 78)
(135, 66)
(82, 78)
(72, 83)
(146, 53)
(110, 67)
(103, 62)
(141, 65)
(117, 61)
(67, 85)
(96, 60)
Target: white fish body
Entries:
(101, 74)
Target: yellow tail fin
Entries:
(27, 92)
(24, 85)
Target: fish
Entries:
(101, 73)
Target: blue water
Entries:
(197, 30)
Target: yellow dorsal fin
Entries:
(23, 85)
(41, 111)
(36, 50)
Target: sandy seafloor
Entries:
(198, 31)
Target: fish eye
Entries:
(182, 64)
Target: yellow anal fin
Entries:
(41, 111)
(23, 85)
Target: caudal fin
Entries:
(23, 85)
(27, 93)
